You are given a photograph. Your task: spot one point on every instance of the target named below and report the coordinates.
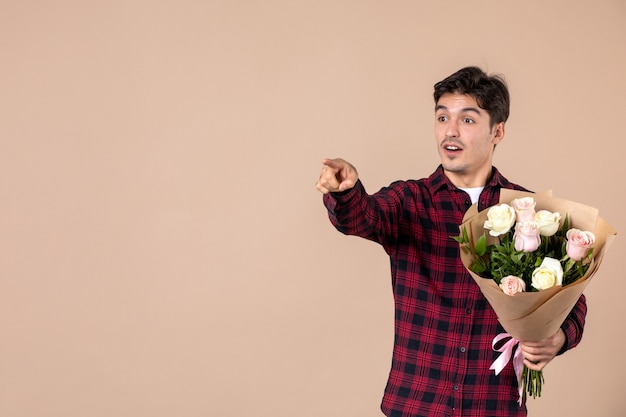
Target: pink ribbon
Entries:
(506, 351)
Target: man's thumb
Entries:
(346, 185)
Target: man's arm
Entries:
(354, 212)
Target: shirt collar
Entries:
(438, 180)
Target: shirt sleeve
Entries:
(574, 324)
(374, 217)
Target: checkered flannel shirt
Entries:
(444, 326)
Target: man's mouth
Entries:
(452, 148)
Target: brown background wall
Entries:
(163, 250)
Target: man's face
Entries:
(465, 141)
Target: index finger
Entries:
(332, 163)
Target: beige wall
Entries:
(163, 250)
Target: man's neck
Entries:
(469, 181)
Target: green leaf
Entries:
(458, 239)
(478, 268)
(481, 245)
(463, 238)
(565, 224)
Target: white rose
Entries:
(548, 274)
(500, 219)
(548, 222)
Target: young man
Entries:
(444, 326)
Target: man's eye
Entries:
(468, 120)
(442, 118)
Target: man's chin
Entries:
(455, 168)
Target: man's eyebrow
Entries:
(463, 110)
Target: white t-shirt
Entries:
(474, 193)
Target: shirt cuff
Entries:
(333, 199)
(570, 331)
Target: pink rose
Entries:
(527, 237)
(511, 285)
(579, 243)
(524, 209)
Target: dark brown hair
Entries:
(490, 91)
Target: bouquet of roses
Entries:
(532, 266)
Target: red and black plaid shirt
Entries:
(444, 326)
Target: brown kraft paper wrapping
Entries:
(531, 316)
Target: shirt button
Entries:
(456, 387)
(468, 311)
(463, 350)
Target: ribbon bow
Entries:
(506, 351)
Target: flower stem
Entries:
(532, 382)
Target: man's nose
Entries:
(451, 130)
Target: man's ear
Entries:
(498, 133)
